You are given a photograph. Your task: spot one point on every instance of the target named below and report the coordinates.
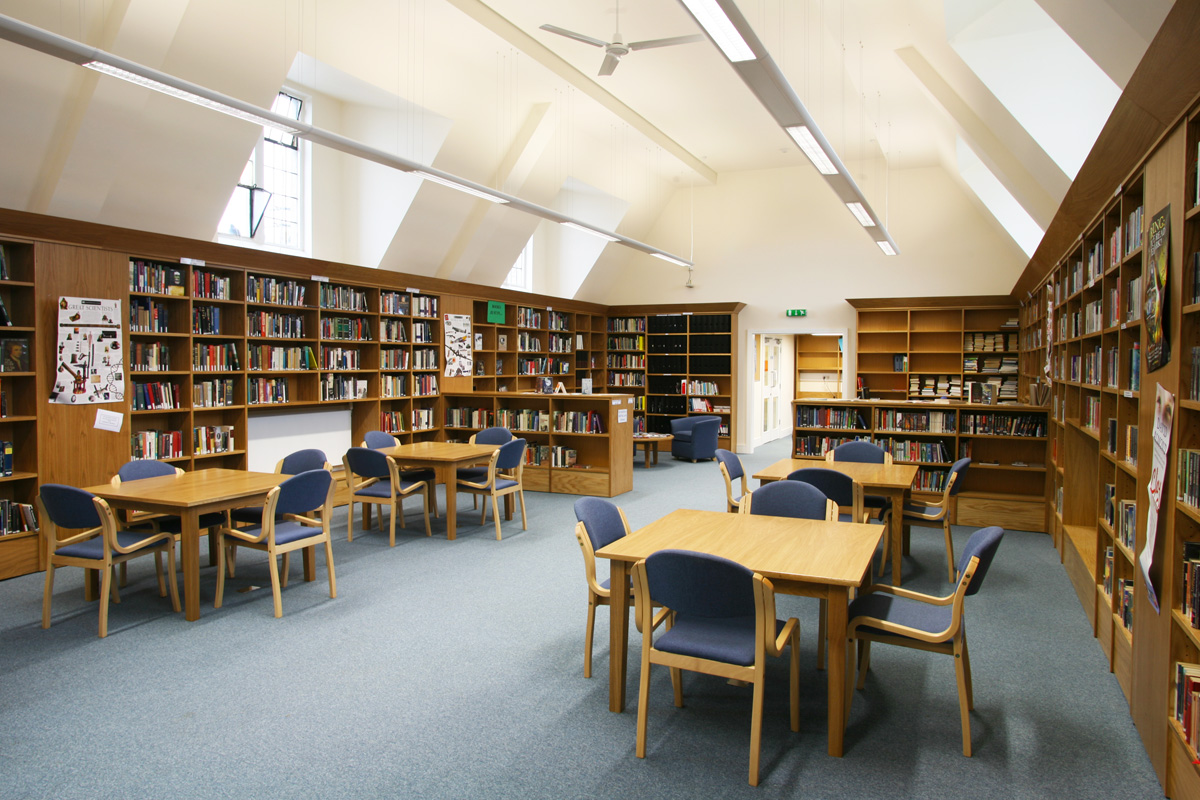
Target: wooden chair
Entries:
(893, 615)
(505, 471)
(879, 507)
(731, 470)
(495, 435)
(600, 523)
(286, 525)
(291, 464)
(380, 485)
(720, 621)
(99, 544)
(789, 499)
(379, 440)
(939, 511)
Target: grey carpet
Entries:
(455, 669)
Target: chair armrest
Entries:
(900, 591)
(241, 535)
(83, 536)
(775, 648)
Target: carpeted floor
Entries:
(455, 670)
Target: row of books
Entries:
(1194, 384)
(17, 517)
(935, 386)
(468, 418)
(342, 298)
(270, 358)
(146, 315)
(989, 342)
(394, 303)
(212, 394)
(393, 330)
(1187, 702)
(394, 358)
(812, 445)
(559, 321)
(425, 358)
(818, 417)
(561, 343)
(626, 361)
(990, 424)
(529, 420)
(528, 343)
(157, 444)
(1188, 482)
(149, 357)
(265, 391)
(214, 357)
(206, 320)
(933, 452)
(626, 342)
(626, 379)
(355, 329)
(154, 277)
(211, 286)
(918, 421)
(336, 386)
(340, 358)
(1000, 365)
(273, 324)
(422, 332)
(157, 395)
(422, 419)
(393, 386)
(627, 325)
(209, 439)
(425, 385)
(267, 289)
(528, 317)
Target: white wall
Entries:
(780, 239)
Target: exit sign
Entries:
(797, 312)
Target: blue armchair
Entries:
(695, 437)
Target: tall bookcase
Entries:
(535, 342)
(1007, 445)
(19, 400)
(819, 364)
(914, 348)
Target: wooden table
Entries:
(804, 557)
(189, 495)
(444, 458)
(893, 481)
(650, 444)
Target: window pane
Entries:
(236, 220)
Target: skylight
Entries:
(1057, 93)
(1004, 207)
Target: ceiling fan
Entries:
(617, 47)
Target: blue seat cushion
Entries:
(473, 474)
(919, 510)
(285, 532)
(501, 483)
(727, 639)
(173, 524)
(251, 515)
(377, 489)
(94, 547)
(900, 611)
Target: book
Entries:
(502, 341)
(176, 281)
(4, 276)
(585, 385)
(16, 355)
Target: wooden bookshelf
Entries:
(819, 363)
(1007, 445)
(925, 348)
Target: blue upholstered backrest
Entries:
(378, 439)
(304, 492)
(859, 450)
(494, 435)
(144, 468)
(983, 543)
(303, 461)
(511, 455)
(733, 464)
(837, 486)
(69, 507)
(367, 463)
(788, 499)
(700, 585)
(959, 468)
(600, 519)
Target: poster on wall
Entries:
(459, 353)
(1164, 416)
(1158, 237)
(89, 361)
(1049, 335)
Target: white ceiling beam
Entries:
(531, 47)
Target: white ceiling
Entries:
(528, 112)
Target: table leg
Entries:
(897, 535)
(508, 506)
(618, 635)
(190, 545)
(449, 478)
(310, 564)
(839, 684)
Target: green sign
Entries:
(796, 312)
(495, 312)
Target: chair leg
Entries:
(174, 584)
(116, 593)
(966, 660)
(158, 573)
(677, 686)
(794, 690)
(964, 701)
(864, 661)
(47, 594)
(496, 513)
(821, 633)
(887, 549)
(350, 524)
(399, 510)
(329, 564)
(643, 703)
(521, 498)
(220, 596)
(587, 636)
(283, 577)
(483, 511)
(124, 573)
(391, 525)
(276, 592)
(425, 508)
(106, 584)
(950, 569)
(230, 558)
(756, 727)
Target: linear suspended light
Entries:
(887, 248)
(720, 29)
(722, 20)
(491, 198)
(592, 231)
(51, 44)
(860, 213)
(808, 145)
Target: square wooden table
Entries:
(444, 458)
(815, 558)
(893, 481)
(189, 495)
(650, 444)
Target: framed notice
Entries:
(1158, 237)
(459, 354)
(89, 360)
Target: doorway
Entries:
(788, 366)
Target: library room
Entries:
(647, 390)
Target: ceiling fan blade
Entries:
(579, 37)
(609, 64)
(649, 43)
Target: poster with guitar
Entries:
(1155, 280)
(90, 365)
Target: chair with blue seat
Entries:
(381, 440)
(287, 524)
(939, 511)
(894, 615)
(695, 438)
(789, 499)
(600, 523)
(720, 621)
(495, 435)
(374, 479)
(732, 470)
(505, 472)
(99, 544)
(839, 487)
(879, 507)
